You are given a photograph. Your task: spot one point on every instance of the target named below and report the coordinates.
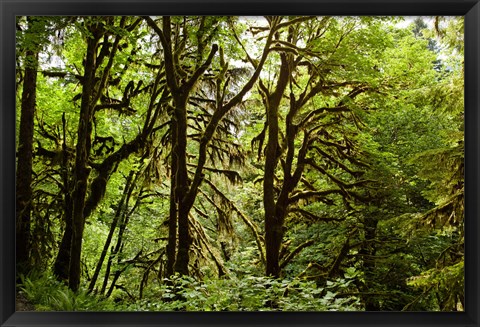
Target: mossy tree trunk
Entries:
(82, 169)
(182, 84)
(274, 213)
(25, 158)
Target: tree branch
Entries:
(295, 251)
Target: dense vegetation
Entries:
(229, 163)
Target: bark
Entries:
(172, 219)
(107, 167)
(276, 203)
(181, 186)
(182, 183)
(61, 265)
(178, 177)
(274, 216)
(24, 163)
(82, 170)
(97, 191)
(62, 261)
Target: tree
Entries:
(33, 33)
(25, 150)
(181, 83)
(94, 86)
(444, 168)
(229, 163)
(317, 142)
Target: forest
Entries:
(224, 163)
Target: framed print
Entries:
(169, 163)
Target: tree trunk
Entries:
(172, 219)
(82, 171)
(273, 218)
(182, 185)
(368, 251)
(24, 164)
(272, 224)
(125, 217)
(62, 262)
(122, 205)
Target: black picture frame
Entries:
(11, 8)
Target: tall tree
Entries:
(25, 147)
(93, 87)
(83, 147)
(355, 168)
(111, 56)
(181, 83)
(314, 139)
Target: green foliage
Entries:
(387, 149)
(252, 293)
(48, 294)
(447, 283)
(183, 293)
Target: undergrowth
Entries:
(183, 293)
(48, 294)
